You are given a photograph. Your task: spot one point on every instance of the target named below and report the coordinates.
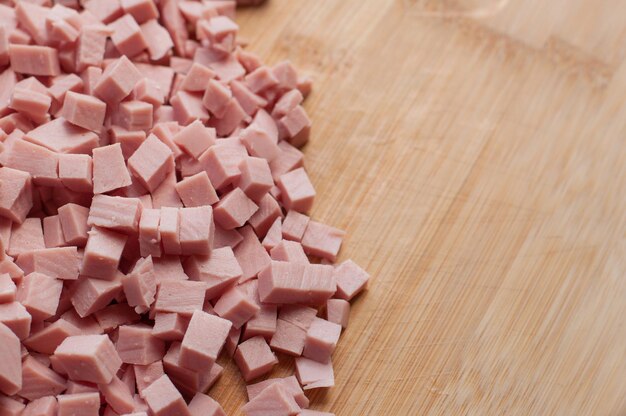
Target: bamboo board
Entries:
(475, 151)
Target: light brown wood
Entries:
(475, 151)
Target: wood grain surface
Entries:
(475, 151)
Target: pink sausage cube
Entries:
(76, 171)
(249, 101)
(104, 10)
(321, 340)
(197, 350)
(25, 237)
(127, 36)
(275, 397)
(297, 192)
(61, 136)
(44, 406)
(158, 39)
(196, 190)
(196, 230)
(109, 169)
(91, 295)
(15, 200)
(46, 340)
(73, 219)
(290, 251)
(115, 213)
(38, 380)
(150, 92)
(52, 232)
(288, 338)
(197, 78)
(15, 316)
(163, 398)
(287, 159)
(290, 384)
(254, 358)
(203, 405)
(151, 163)
(250, 254)
(221, 163)
(295, 126)
(11, 363)
(263, 323)
(322, 240)
(136, 115)
(313, 374)
(149, 235)
(90, 52)
(141, 10)
(117, 81)
(265, 216)
(118, 396)
(234, 209)
(263, 140)
(233, 116)
(301, 316)
(59, 263)
(194, 139)
(287, 102)
(84, 111)
(216, 98)
(40, 295)
(102, 253)
(169, 228)
(283, 282)
(147, 374)
(169, 326)
(64, 83)
(83, 404)
(188, 108)
(351, 280)
(286, 75)
(256, 177)
(115, 315)
(32, 104)
(140, 284)
(236, 306)
(218, 270)
(273, 235)
(7, 288)
(261, 79)
(40, 162)
(137, 345)
(34, 60)
(11, 407)
(90, 358)
(338, 311)
(180, 296)
(129, 140)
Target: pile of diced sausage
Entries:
(153, 215)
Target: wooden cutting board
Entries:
(475, 152)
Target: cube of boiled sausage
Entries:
(151, 163)
(321, 340)
(15, 316)
(84, 111)
(91, 358)
(203, 405)
(338, 311)
(76, 172)
(115, 213)
(313, 374)
(197, 350)
(87, 404)
(117, 81)
(289, 383)
(297, 192)
(40, 295)
(137, 345)
(109, 169)
(102, 253)
(283, 282)
(254, 358)
(196, 190)
(34, 60)
(163, 398)
(274, 397)
(11, 363)
(351, 280)
(16, 199)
